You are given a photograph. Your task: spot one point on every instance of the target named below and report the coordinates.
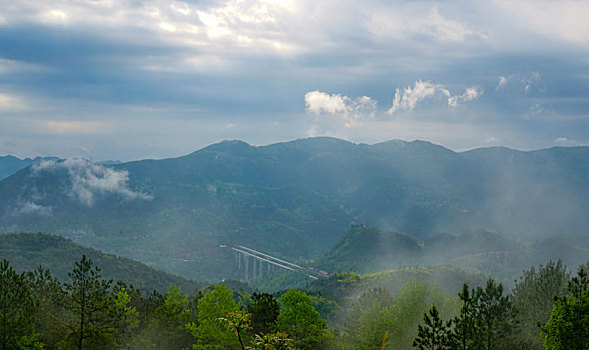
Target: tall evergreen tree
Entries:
(495, 315)
(49, 299)
(16, 308)
(435, 334)
(464, 334)
(89, 302)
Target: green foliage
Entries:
(377, 318)
(533, 297)
(271, 341)
(486, 319)
(90, 305)
(87, 313)
(465, 333)
(49, 298)
(435, 334)
(237, 322)
(126, 315)
(16, 308)
(210, 333)
(494, 316)
(166, 326)
(299, 319)
(568, 326)
(27, 251)
(370, 319)
(415, 299)
(367, 249)
(264, 312)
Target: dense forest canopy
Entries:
(548, 308)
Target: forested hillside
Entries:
(295, 199)
(365, 249)
(28, 251)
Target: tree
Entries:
(210, 333)
(494, 316)
(89, 302)
(370, 319)
(299, 319)
(415, 299)
(435, 335)
(264, 311)
(49, 300)
(485, 320)
(164, 319)
(16, 308)
(464, 334)
(271, 341)
(126, 316)
(568, 326)
(237, 322)
(533, 297)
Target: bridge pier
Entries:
(273, 264)
(246, 267)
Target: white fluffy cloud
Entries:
(409, 97)
(471, 93)
(351, 112)
(89, 179)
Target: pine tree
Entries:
(16, 308)
(89, 302)
(494, 316)
(464, 334)
(435, 335)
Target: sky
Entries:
(131, 79)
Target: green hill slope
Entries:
(27, 251)
(366, 249)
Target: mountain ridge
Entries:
(294, 199)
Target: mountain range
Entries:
(10, 165)
(295, 199)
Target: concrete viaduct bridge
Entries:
(255, 263)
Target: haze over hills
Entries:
(295, 199)
(364, 249)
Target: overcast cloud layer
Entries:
(129, 79)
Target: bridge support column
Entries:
(246, 267)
